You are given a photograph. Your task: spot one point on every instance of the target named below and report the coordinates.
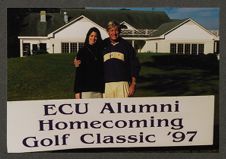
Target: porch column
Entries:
(21, 48)
(77, 46)
(31, 48)
(133, 43)
(197, 53)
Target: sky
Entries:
(207, 17)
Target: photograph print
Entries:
(98, 54)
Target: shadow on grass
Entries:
(181, 75)
(168, 62)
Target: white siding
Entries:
(156, 46)
(164, 45)
(189, 33)
(75, 32)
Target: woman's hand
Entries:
(77, 62)
(77, 95)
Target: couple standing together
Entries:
(106, 68)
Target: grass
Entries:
(52, 76)
(41, 77)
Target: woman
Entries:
(89, 79)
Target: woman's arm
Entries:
(78, 76)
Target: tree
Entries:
(15, 18)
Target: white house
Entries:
(157, 36)
(68, 38)
(185, 37)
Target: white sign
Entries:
(106, 123)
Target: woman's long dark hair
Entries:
(99, 39)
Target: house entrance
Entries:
(26, 49)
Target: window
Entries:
(34, 48)
(180, 49)
(42, 47)
(65, 47)
(201, 49)
(173, 48)
(73, 47)
(187, 49)
(194, 49)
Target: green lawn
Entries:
(41, 77)
(52, 76)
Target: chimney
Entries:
(65, 17)
(42, 16)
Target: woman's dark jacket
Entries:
(89, 75)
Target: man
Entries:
(121, 66)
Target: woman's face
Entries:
(92, 38)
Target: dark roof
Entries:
(138, 19)
(33, 27)
(167, 27)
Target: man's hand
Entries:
(132, 89)
(77, 62)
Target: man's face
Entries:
(113, 33)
